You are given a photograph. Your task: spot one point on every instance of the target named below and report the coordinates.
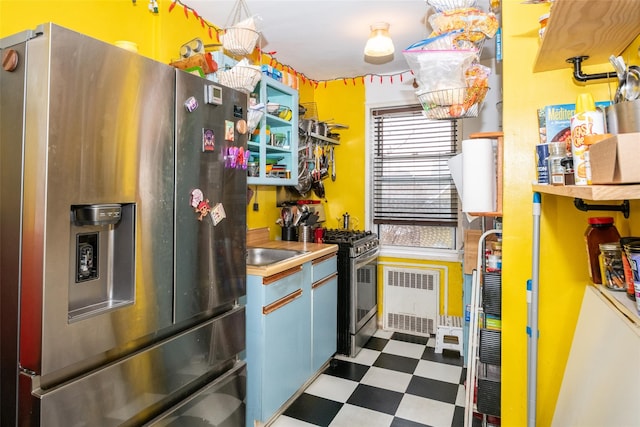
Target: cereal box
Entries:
(556, 120)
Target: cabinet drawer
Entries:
(281, 284)
(324, 267)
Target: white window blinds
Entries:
(412, 182)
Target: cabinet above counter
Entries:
(274, 144)
(593, 28)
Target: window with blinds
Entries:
(414, 199)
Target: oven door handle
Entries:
(366, 257)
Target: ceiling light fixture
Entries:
(379, 43)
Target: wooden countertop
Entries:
(313, 251)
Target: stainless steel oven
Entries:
(357, 288)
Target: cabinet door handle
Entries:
(324, 281)
(274, 278)
(281, 302)
(321, 259)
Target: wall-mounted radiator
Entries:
(410, 299)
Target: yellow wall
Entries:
(158, 36)
(563, 272)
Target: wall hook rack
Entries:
(581, 205)
(581, 77)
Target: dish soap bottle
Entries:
(586, 121)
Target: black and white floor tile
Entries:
(397, 380)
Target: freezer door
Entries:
(210, 209)
(146, 384)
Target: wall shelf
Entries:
(594, 28)
(591, 192)
(323, 138)
(623, 304)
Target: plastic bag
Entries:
(445, 5)
(468, 19)
(440, 69)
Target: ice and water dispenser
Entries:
(102, 266)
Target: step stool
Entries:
(449, 334)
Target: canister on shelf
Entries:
(601, 230)
(628, 273)
(611, 267)
(632, 251)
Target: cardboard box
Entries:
(615, 160)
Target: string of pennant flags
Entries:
(214, 34)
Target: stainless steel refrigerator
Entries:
(123, 224)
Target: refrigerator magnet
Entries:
(191, 104)
(241, 126)
(218, 213)
(200, 204)
(208, 140)
(232, 157)
(228, 130)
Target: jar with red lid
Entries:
(601, 230)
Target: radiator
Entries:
(410, 300)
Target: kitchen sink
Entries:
(266, 256)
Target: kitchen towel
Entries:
(478, 175)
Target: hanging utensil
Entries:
(621, 72)
(318, 189)
(632, 83)
(333, 165)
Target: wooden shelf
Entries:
(592, 192)
(622, 303)
(323, 138)
(595, 28)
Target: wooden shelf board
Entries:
(592, 192)
(622, 303)
(595, 28)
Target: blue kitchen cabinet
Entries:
(324, 311)
(291, 333)
(278, 340)
(274, 143)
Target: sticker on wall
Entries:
(228, 130)
(191, 104)
(200, 204)
(218, 213)
(208, 140)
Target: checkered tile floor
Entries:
(397, 380)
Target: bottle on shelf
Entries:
(600, 230)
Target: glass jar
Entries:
(601, 230)
(557, 152)
(611, 266)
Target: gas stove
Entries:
(356, 242)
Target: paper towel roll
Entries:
(478, 175)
